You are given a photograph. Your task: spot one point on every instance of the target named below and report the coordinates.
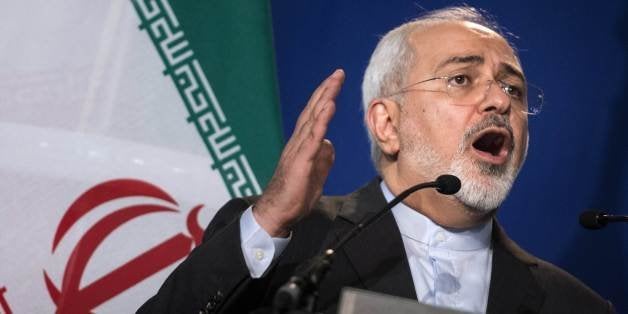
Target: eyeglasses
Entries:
(467, 90)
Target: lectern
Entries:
(356, 301)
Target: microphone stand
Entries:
(300, 293)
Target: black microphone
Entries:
(595, 219)
(300, 292)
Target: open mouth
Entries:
(493, 145)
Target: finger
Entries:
(311, 131)
(331, 91)
(307, 110)
(322, 120)
(316, 95)
(322, 95)
(310, 142)
(325, 158)
(322, 167)
(333, 86)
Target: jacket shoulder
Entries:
(564, 291)
(557, 291)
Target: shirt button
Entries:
(440, 237)
(259, 254)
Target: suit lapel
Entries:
(377, 254)
(513, 288)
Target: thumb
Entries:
(324, 159)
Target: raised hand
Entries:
(304, 164)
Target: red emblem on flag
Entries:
(3, 302)
(69, 297)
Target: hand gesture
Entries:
(304, 164)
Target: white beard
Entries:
(484, 186)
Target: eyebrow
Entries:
(475, 59)
(471, 59)
(505, 67)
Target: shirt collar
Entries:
(420, 228)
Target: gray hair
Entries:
(393, 57)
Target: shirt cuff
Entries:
(258, 247)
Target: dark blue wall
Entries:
(577, 52)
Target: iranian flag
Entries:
(124, 126)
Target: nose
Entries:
(495, 99)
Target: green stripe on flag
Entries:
(220, 57)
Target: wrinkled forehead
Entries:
(437, 42)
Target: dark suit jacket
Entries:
(214, 278)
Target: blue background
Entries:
(577, 52)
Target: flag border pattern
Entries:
(204, 109)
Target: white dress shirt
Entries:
(258, 247)
(449, 268)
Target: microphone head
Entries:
(447, 184)
(592, 219)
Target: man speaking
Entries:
(443, 94)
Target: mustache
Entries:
(492, 120)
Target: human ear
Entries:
(382, 120)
